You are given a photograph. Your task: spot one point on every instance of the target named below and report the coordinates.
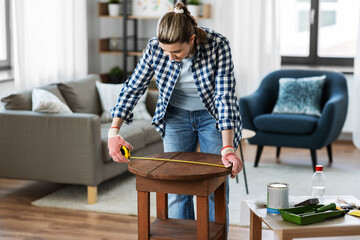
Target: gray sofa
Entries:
(67, 148)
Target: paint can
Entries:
(277, 197)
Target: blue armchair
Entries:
(295, 130)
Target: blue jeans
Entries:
(183, 130)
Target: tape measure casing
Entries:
(125, 152)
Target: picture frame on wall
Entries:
(152, 8)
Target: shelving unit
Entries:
(105, 49)
(104, 43)
(136, 44)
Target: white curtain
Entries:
(252, 27)
(50, 41)
(356, 96)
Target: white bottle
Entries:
(318, 184)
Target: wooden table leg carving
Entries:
(255, 226)
(143, 215)
(220, 210)
(162, 205)
(202, 206)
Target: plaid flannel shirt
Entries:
(212, 69)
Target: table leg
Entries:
(281, 235)
(162, 205)
(244, 172)
(220, 207)
(255, 226)
(202, 205)
(143, 215)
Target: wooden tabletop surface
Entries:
(179, 171)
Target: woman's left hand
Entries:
(230, 158)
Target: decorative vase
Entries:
(194, 10)
(114, 9)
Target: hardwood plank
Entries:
(140, 167)
(188, 171)
(181, 229)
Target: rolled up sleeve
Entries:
(225, 95)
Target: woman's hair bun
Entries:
(178, 26)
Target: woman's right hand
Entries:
(115, 142)
(229, 158)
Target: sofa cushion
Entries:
(151, 135)
(81, 95)
(300, 95)
(46, 102)
(18, 101)
(22, 100)
(139, 134)
(53, 88)
(109, 94)
(133, 135)
(286, 123)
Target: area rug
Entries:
(119, 196)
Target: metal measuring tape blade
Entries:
(126, 153)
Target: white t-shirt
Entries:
(185, 94)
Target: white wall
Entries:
(93, 24)
(349, 122)
(6, 87)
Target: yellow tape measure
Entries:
(126, 153)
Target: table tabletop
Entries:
(275, 222)
(165, 170)
(247, 133)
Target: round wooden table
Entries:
(165, 177)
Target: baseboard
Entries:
(347, 136)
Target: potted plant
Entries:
(114, 7)
(194, 7)
(116, 75)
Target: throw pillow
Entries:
(109, 94)
(46, 102)
(300, 95)
(81, 95)
(18, 101)
(53, 88)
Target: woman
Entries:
(197, 101)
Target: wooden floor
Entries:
(20, 220)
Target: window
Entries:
(319, 32)
(4, 34)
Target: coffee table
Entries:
(165, 177)
(342, 226)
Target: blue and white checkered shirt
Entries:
(213, 71)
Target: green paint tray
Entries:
(307, 214)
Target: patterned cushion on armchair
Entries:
(300, 95)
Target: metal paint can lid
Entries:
(278, 185)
